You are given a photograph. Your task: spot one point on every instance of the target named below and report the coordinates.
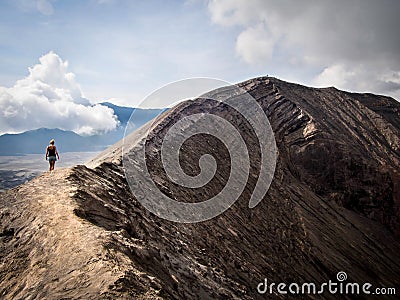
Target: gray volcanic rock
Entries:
(333, 206)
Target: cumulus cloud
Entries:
(50, 97)
(360, 78)
(345, 40)
(255, 44)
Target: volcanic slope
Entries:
(333, 206)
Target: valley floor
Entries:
(15, 170)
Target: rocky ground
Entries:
(333, 206)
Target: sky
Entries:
(59, 58)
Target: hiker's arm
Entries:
(47, 152)
(57, 154)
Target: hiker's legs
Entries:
(52, 165)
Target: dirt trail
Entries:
(65, 253)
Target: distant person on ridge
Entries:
(51, 152)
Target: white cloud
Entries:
(234, 12)
(360, 78)
(45, 7)
(335, 75)
(255, 45)
(342, 38)
(50, 97)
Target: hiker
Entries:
(51, 152)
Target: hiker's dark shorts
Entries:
(52, 158)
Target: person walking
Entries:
(51, 153)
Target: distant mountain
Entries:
(141, 115)
(123, 112)
(35, 141)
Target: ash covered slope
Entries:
(333, 206)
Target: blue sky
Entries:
(121, 51)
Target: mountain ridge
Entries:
(332, 207)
